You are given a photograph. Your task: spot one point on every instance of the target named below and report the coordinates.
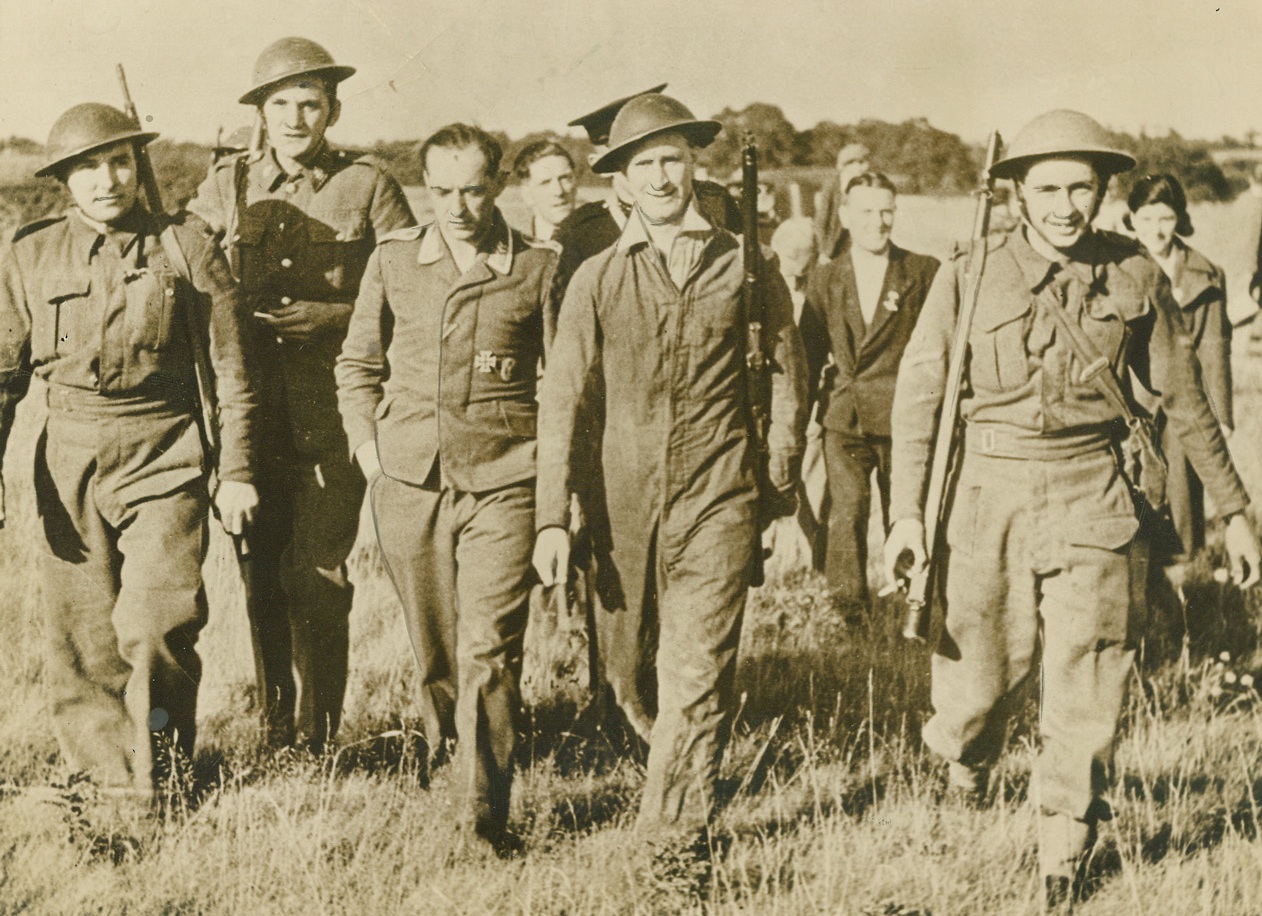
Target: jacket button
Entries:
(291, 188)
(286, 262)
(285, 300)
(341, 236)
(280, 225)
(170, 292)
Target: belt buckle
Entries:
(989, 443)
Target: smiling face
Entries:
(460, 191)
(297, 113)
(659, 176)
(869, 215)
(1154, 227)
(550, 189)
(103, 182)
(1059, 198)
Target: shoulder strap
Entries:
(1096, 368)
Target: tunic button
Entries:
(286, 262)
(236, 237)
(280, 225)
(170, 292)
(285, 300)
(341, 236)
(291, 188)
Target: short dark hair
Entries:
(1160, 189)
(533, 152)
(462, 136)
(871, 179)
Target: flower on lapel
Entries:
(891, 301)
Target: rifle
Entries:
(938, 499)
(771, 504)
(209, 424)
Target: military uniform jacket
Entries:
(303, 237)
(860, 392)
(1022, 377)
(106, 314)
(441, 367)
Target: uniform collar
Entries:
(497, 246)
(127, 235)
(269, 175)
(635, 234)
(1039, 271)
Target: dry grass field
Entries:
(832, 804)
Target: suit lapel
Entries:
(891, 291)
(851, 313)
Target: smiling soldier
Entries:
(1041, 537)
(299, 220)
(105, 304)
(436, 383)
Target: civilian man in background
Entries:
(852, 159)
(860, 310)
(299, 220)
(545, 172)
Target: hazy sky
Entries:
(517, 65)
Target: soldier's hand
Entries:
(368, 459)
(1243, 552)
(237, 503)
(906, 537)
(552, 555)
(303, 319)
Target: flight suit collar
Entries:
(495, 252)
(634, 234)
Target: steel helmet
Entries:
(287, 58)
(85, 128)
(1061, 133)
(647, 115)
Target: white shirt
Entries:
(869, 277)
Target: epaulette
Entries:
(411, 234)
(593, 209)
(351, 158)
(31, 228)
(187, 219)
(1123, 244)
(230, 160)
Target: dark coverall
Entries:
(292, 238)
(624, 645)
(120, 471)
(1041, 553)
(440, 369)
(679, 477)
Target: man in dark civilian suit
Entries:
(860, 309)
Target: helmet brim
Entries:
(1110, 160)
(701, 133)
(138, 137)
(259, 93)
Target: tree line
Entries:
(920, 158)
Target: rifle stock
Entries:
(938, 494)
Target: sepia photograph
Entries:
(593, 458)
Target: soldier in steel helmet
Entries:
(655, 321)
(299, 220)
(105, 304)
(1041, 557)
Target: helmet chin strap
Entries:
(1102, 179)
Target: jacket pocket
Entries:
(999, 361)
(339, 242)
(150, 297)
(67, 322)
(1104, 532)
